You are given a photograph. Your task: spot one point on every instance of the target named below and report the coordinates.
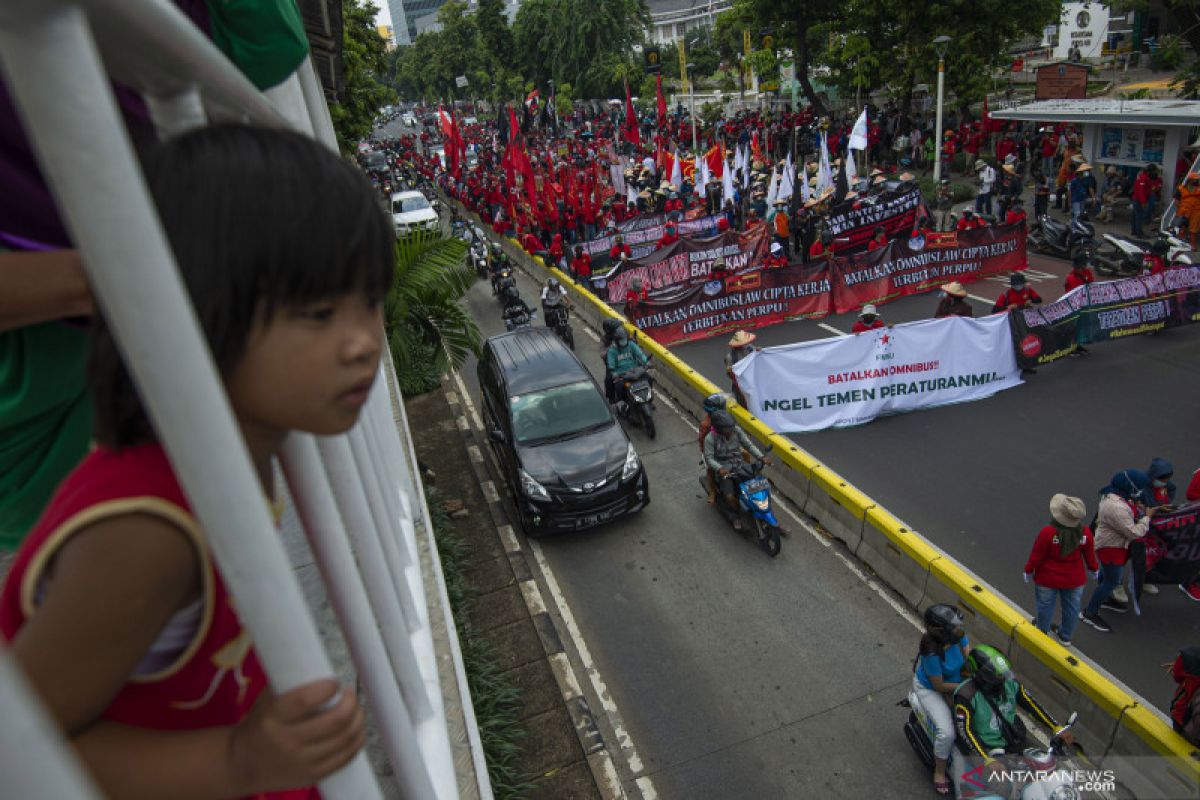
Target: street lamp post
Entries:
(940, 44)
(692, 99)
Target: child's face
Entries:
(310, 367)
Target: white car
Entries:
(411, 212)
(409, 120)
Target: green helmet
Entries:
(988, 667)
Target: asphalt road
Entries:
(736, 676)
(977, 478)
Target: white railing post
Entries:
(57, 79)
(34, 759)
(328, 540)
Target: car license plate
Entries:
(588, 521)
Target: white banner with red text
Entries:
(835, 383)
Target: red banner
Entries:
(750, 300)
(670, 272)
(912, 266)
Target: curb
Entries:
(591, 740)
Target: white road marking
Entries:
(466, 398)
(475, 453)
(585, 657)
(533, 598)
(511, 545)
(647, 788)
(489, 492)
(981, 299)
(832, 329)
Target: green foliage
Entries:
(428, 331)
(364, 57)
(494, 698)
(564, 102)
(1168, 55)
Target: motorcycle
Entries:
(1064, 239)
(754, 497)
(501, 280)
(557, 316)
(521, 320)
(636, 393)
(1033, 774)
(479, 258)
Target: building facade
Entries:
(674, 19)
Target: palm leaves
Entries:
(427, 330)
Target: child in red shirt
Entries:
(113, 606)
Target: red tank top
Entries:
(217, 678)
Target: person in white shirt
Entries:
(985, 175)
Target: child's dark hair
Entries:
(258, 220)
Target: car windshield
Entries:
(404, 205)
(559, 412)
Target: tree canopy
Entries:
(364, 59)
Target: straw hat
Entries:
(850, 195)
(955, 289)
(906, 176)
(878, 180)
(1084, 167)
(876, 171)
(827, 193)
(741, 339)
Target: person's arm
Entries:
(113, 588)
(610, 360)
(1118, 517)
(710, 449)
(42, 286)
(640, 354)
(1038, 554)
(964, 729)
(1192, 493)
(748, 443)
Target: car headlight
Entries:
(632, 464)
(532, 488)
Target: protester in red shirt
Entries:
(1063, 555)
(556, 249)
(878, 240)
(670, 237)
(619, 249)
(634, 296)
(532, 244)
(969, 221)
(722, 223)
(776, 258)
(673, 203)
(868, 320)
(1018, 295)
(822, 247)
(1080, 273)
(581, 265)
(1155, 259)
(1016, 212)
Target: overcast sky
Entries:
(384, 17)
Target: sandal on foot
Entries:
(942, 788)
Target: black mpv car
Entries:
(569, 463)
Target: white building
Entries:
(673, 19)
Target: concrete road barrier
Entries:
(1116, 730)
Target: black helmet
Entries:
(620, 337)
(610, 326)
(511, 293)
(552, 284)
(722, 421)
(1016, 280)
(1080, 259)
(1159, 248)
(944, 622)
(988, 667)
(714, 402)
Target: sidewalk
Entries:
(526, 646)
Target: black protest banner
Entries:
(1046, 333)
(1179, 530)
(853, 222)
(642, 233)
(1142, 304)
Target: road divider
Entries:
(1117, 731)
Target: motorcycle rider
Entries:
(985, 707)
(554, 298)
(712, 403)
(514, 307)
(623, 355)
(609, 329)
(722, 454)
(937, 674)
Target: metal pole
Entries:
(692, 95)
(59, 84)
(937, 142)
(34, 759)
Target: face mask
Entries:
(1160, 483)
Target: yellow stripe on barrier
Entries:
(1108, 697)
(1062, 663)
(1150, 728)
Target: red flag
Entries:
(755, 150)
(716, 162)
(632, 135)
(662, 104)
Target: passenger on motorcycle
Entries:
(985, 707)
(514, 306)
(940, 658)
(722, 454)
(712, 403)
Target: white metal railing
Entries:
(55, 55)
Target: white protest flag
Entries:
(805, 189)
(849, 380)
(739, 159)
(787, 183)
(618, 178)
(772, 188)
(726, 185)
(851, 169)
(702, 177)
(745, 167)
(676, 171)
(824, 173)
(858, 136)
(631, 195)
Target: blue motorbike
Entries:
(754, 497)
